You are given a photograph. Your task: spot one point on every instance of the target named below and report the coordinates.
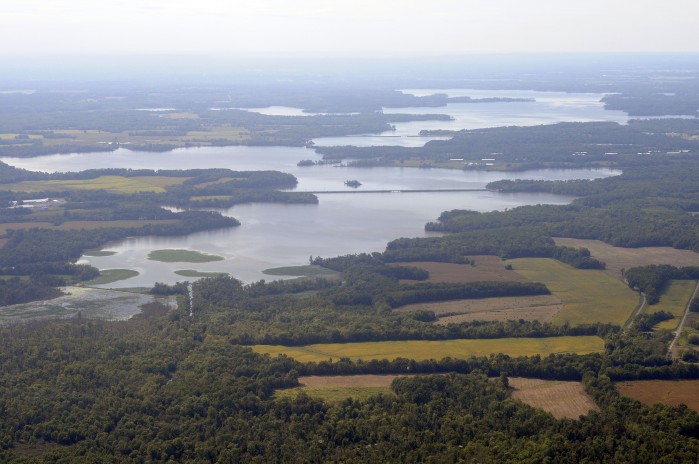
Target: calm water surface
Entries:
(273, 235)
(548, 108)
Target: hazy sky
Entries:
(356, 27)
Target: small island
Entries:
(353, 183)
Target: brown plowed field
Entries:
(667, 392)
(531, 308)
(618, 258)
(561, 399)
(487, 268)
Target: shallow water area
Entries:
(88, 303)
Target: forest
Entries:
(185, 382)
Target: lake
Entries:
(273, 235)
(548, 108)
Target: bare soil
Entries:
(531, 308)
(667, 392)
(618, 258)
(487, 268)
(561, 399)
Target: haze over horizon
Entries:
(358, 28)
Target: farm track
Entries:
(678, 331)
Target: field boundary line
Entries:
(680, 326)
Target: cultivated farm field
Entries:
(338, 387)
(618, 258)
(420, 350)
(530, 308)
(561, 399)
(674, 300)
(487, 268)
(587, 295)
(667, 392)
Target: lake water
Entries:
(548, 108)
(273, 235)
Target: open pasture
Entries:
(667, 392)
(422, 349)
(530, 308)
(562, 399)
(487, 268)
(587, 295)
(115, 184)
(338, 387)
(618, 258)
(674, 300)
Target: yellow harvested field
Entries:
(561, 399)
(487, 268)
(530, 308)
(618, 258)
(118, 184)
(587, 295)
(422, 350)
(674, 301)
(667, 392)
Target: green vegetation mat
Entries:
(182, 256)
(422, 350)
(97, 253)
(588, 295)
(194, 273)
(109, 276)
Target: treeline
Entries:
(48, 245)
(652, 279)
(431, 292)
(508, 243)
(519, 148)
(271, 313)
(16, 290)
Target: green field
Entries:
(182, 256)
(301, 271)
(117, 184)
(109, 276)
(588, 295)
(674, 300)
(194, 273)
(422, 350)
(97, 253)
(334, 394)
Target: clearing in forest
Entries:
(420, 350)
(674, 300)
(618, 258)
(511, 308)
(588, 295)
(562, 399)
(338, 387)
(487, 268)
(115, 184)
(667, 392)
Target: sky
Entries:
(343, 27)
